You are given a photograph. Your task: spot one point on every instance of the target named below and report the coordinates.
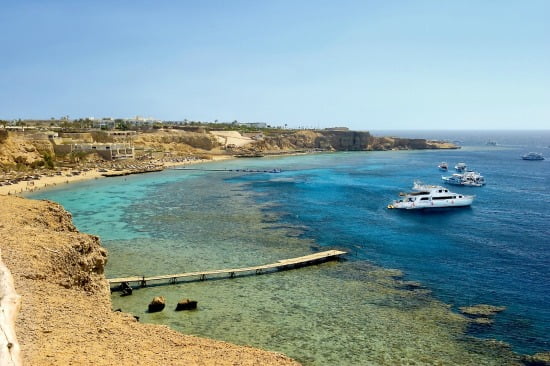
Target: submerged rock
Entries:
(410, 285)
(538, 359)
(481, 310)
(483, 321)
(157, 304)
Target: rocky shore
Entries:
(66, 316)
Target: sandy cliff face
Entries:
(176, 140)
(14, 149)
(347, 140)
(340, 141)
(66, 316)
(287, 141)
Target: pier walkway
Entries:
(232, 272)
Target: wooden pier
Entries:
(232, 272)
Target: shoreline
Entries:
(53, 180)
(104, 170)
(184, 163)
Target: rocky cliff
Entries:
(340, 141)
(17, 149)
(176, 140)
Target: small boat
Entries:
(491, 143)
(533, 156)
(473, 179)
(469, 178)
(443, 166)
(430, 196)
(460, 167)
(455, 179)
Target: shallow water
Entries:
(346, 313)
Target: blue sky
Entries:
(363, 64)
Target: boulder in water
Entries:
(157, 304)
(186, 304)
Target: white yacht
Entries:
(533, 156)
(460, 167)
(443, 166)
(469, 178)
(428, 196)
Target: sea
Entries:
(394, 299)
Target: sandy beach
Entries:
(48, 181)
(66, 176)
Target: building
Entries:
(104, 123)
(254, 124)
(115, 151)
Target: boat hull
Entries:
(448, 203)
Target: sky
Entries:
(366, 65)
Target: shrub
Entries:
(49, 161)
(3, 136)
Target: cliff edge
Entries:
(340, 141)
(66, 316)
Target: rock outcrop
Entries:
(157, 304)
(17, 149)
(340, 141)
(186, 304)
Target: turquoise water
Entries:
(355, 312)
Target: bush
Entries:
(37, 163)
(3, 136)
(21, 160)
(49, 161)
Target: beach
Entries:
(66, 176)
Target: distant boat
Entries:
(428, 196)
(491, 143)
(443, 166)
(470, 179)
(460, 167)
(533, 156)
